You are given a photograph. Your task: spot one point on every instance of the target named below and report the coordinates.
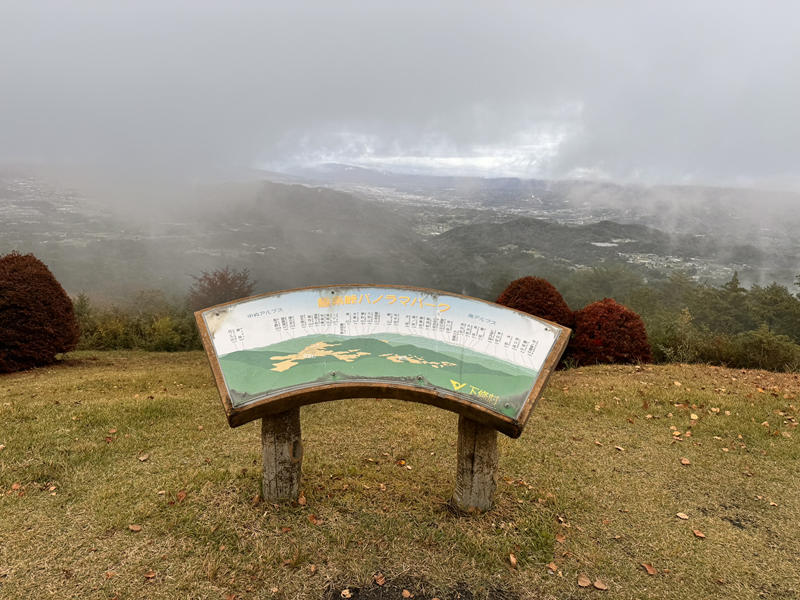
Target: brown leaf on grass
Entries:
(407, 594)
(312, 568)
(181, 496)
(584, 581)
(109, 439)
(150, 574)
(346, 594)
(110, 574)
(2, 447)
(112, 431)
(380, 579)
(552, 566)
(144, 457)
(315, 520)
(285, 529)
(561, 538)
(620, 448)
(685, 461)
(699, 533)
(256, 500)
(302, 499)
(513, 560)
(649, 568)
(231, 597)
(199, 428)
(600, 585)
(683, 516)
(135, 528)
(15, 486)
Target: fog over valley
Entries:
(447, 145)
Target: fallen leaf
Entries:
(181, 496)
(772, 504)
(231, 597)
(693, 417)
(584, 581)
(346, 594)
(649, 568)
(553, 567)
(302, 500)
(513, 560)
(112, 431)
(110, 574)
(313, 569)
(685, 461)
(407, 594)
(383, 487)
(144, 457)
(273, 590)
(561, 538)
(600, 585)
(150, 574)
(256, 500)
(285, 529)
(15, 486)
(380, 579)
(699, 533)
(314, 520)
(678, 383)
(223, 548)
(620, 448)
(199, 428)
(109, 439)
(683, 516)
(2, 447)
(135, 528)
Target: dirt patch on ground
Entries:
(417, 589)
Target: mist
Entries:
(653, 93)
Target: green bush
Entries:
(680, 340)
(150, 322)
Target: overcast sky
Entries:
(652, 92)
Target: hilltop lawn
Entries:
(106, 441)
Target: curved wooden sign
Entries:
(280, 351)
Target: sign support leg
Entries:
(476, 465)
(281, 455)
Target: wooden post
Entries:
(476, 467)
(281, 455)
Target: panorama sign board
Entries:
(279, 351)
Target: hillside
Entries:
(619, 467)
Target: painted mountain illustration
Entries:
(315, 359)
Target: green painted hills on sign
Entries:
(316, 359)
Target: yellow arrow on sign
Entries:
(457, 386)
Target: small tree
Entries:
(537, 297)
(607, 332)
(37, 319)
(221, 285)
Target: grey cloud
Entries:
(652, 92)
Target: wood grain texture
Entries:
(476, 465)
(281, 455)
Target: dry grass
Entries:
(616, 507)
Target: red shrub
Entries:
(37, 320)
(608, 332)
(537, 297)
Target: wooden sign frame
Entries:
(339, 390)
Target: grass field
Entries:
(106, 441)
